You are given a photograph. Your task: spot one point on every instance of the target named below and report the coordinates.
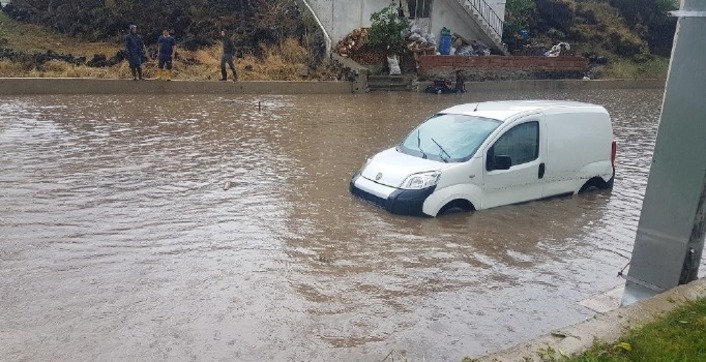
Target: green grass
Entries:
(621, 68)
(679, 336)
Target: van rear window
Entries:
(448, 137)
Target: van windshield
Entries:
(448, 137)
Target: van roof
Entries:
(504, 110)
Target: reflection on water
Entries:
(118, 239)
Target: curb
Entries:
(36, 86)
(607, 327)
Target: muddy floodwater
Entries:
(208, 228)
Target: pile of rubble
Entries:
(463, 47)
(418, 39)
(352, 42)
(355, 45)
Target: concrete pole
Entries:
(670, 234)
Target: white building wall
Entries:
(340, 17)
(323, 10)
(346, 15)
(451, 15)
(498, 7)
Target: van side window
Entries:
(521, 143)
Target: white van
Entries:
(481, 155)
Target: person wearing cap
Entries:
(135, 49)
(167, 46)
(227, 57)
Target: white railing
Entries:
(489, 16)
(327, 37)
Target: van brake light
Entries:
(613, 152)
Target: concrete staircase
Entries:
(489, 22)
(390, 83)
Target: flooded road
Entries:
(201, 228)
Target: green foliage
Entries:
(678, 336)
(518, 16)
(386, 28)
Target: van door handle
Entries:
(541, 170)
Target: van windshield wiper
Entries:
(442, 151)
(419, 144)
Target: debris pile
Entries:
(353, 42)
(355, 46)
(418, 39)
(560, 49)
(463, 47)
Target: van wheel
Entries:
(458, 205)
(595, 183)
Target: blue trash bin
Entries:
(445, 42)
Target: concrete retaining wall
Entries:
(31, 86)
(560, 84)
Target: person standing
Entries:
(135, 49)
(227, 57)
(167, 48)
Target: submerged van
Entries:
(481, 155)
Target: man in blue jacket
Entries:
(135, 49)
(167, 46)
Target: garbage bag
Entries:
(394, 65)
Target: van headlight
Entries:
(421, 180)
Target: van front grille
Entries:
(375, 200)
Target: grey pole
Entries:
(670, 234)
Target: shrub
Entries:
(386, 28)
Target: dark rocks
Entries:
(98, 61)
(38, 59)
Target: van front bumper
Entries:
(394, 200)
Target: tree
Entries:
(386, 29)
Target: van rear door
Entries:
(514, 164)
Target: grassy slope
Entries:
(621, 68)
(34, 38)
(596, 27)
(282, 62)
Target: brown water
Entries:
(118, 240)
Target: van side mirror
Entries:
(502, 162)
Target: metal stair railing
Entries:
(489, 16)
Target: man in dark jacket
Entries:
(135, 49)
(167, 46)
(227, 57)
